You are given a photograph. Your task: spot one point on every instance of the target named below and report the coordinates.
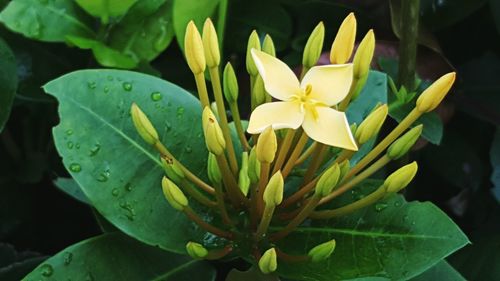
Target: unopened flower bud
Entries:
(143, 125)
(401, 178)
(268, 46)
(328, 181)
(273, 194)
(344, 41)
(213, 170)
(215, 111)
(193, 49)
(172, 169)
(196, 250)
(253, 43)
(210, 44)
(314, 46)
(345, 166)
(266, 146)
(435, 93)
(259, 91)
(363, 57)
(404, 143)
(322, 251)
(214, 138)
(253, 166)
(268, 263)
(372, 124)
(173, 194)
(243, 178)
(230, 84)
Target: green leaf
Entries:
(8, 81)
(145, 31)
(71, 188)
(495, 163)
(106, 8)
(442, 271)
(393, 239)
(116, 169)
(115, 256)
(187, 10)
(44, 20)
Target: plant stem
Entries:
(284, 148)
(219, 253)
(263, 180)
(345, 102)
(304, 213)
(234, 192)
(202, 89)
(291, 258)
(408, 43)
(295, 155)
(186, 185)
(219, 196)
(299, 193)
(306, 154)
(238, 125)
(264, 223)
(317, 160)
(206, 226)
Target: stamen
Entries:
(308, 89)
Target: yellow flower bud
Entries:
(268, 46)
(345, 166)
(273, 194)
(172, 169)
(435, 93)
(213, 134)
(196, 250)
(143, 125)
(268, 263)
(230, 84)
(193, 49)
(322, 251)
(314, 46)
(372, 124)
(259, 92)
(266, 146)
(253, 166)
(173, 194)
(210, 44)
(344, 41)
(243, 178)
(328, 181)
(213, 170)
(401, 178)
(253, 43)
(363, 57)
(403, 144)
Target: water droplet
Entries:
(70, 144)
(47, 270)
(103, 177)
(397, 204)
(95, 149)
(115, 192)
(130, 212)
(127, 86)
(106, 89)
(180, 111)
(380, 207)
(110, 78)
(156, 96)
(129, 187)
(68, 257)
(188, 149)
(75, 167)
(77, 146)
(92, 85)
(69, 132)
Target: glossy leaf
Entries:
(106, 8)
(49, 21)
(117, 170)
(8, 81)
(71, 188)
(442, 271)
(115, 256)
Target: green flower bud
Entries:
(343, 44)
(273, 194)
(173, 194)
(328, 181)
(314, 46)
(404, 143)
(363, 57)
(322, 251)
(243, 178)
(259, 92)
(401, 178)
(193, 49)
(266, 146)
(214, 138)
(435, 93)
(172, 169)
(268, 263)
(143, 125)
(210, 44)
(345, 166)
(268, 46)
(372, 124)
(214, 174)
(230, 84)
(253, 166)
(253, 43)
(196, 250)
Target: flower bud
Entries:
(213, 170)
(435, 93)
(215, 110)
(372, 124)
(314, 46)
(143, 125)
(193, 49)
(403, 144)
(259, 91)
(273, 194)
(400, 178)
(196, 250)
(172, 169)
(210, 44)
(253, 166)
(230, 84)
(266, 146)
(268, 46)
(213, 134)
(253, 43)
(173, 194)
(344, 166)
(243, 179)
(328, 181)
(268, 263)
(343, 44)
(363, 57)
(322, 251)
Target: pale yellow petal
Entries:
(330, 127)
(330, 83)
(279, 80)
(277, 114)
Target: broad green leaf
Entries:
(116, 169)
(115, 256)
(186, 10)
(46, 20)
(71, 188)
(442, 271)
(145, 31)
(105, 9)
(8, 81)
(393, 239)
(495, 163)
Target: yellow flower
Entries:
(307, 103)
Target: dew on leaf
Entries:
(69, 132)
(127, 86)
(94, 149)
(68, 257)
(180, 111)
(70, 144)
(156, 96)
(128, 187)
(115, 192)
(397, 204)
(106, 89)
(47, 270)
(75, 167)
(103, 177)
(110, 78)
(77, 146)
(380, 207)
(92, 85)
